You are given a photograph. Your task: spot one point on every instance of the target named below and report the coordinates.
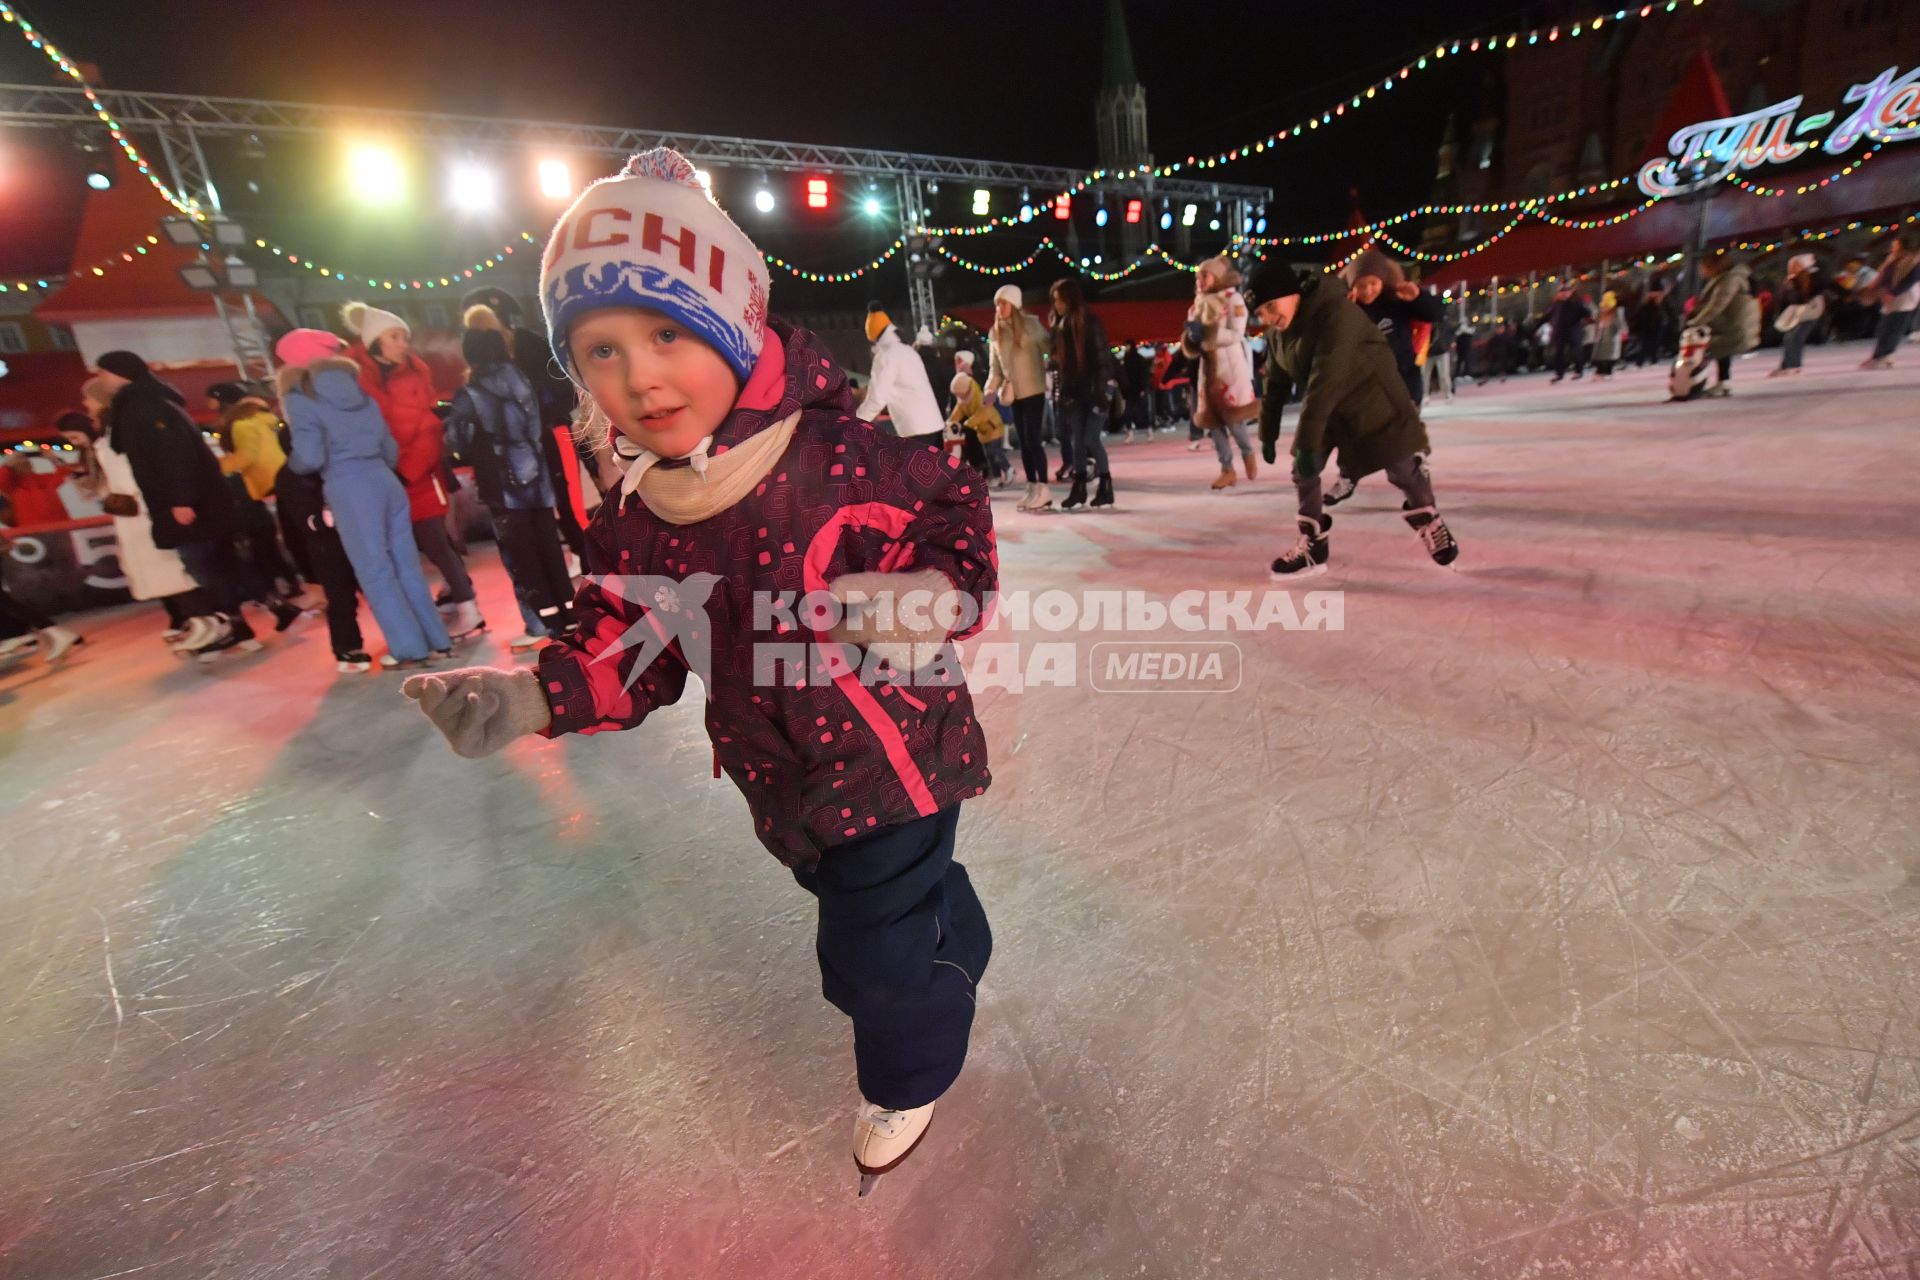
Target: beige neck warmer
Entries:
(708, 485)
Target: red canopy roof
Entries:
(1126, 323)
(1697, 97)
(114, 225)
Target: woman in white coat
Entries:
(1216, 336)
(151, 572)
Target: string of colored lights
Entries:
(452, 278)
(1479, 246)
(39, 41)
(1595, 224)
(1507, 40)
(1758, 189)
(100, 268)
(1504, 41)
(1763, 248)
(1533, 206)
(836, 277)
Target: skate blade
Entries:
(1314, 572)
(245, 646)
(870, 1175)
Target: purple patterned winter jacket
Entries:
(821, 756)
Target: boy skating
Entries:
(749, 478)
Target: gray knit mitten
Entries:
(481, 709)
(895, 615)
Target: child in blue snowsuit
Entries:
(339, 434)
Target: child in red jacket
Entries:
(751, 485)
(402, 385)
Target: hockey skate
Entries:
(883, 1138)
(1434, 534)
(285, 613)
(1306, 558)
(199, 633)
(464, 620)
(238, 639)
(1342, 490)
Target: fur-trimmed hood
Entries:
(332, 380)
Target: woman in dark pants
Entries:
(1085, 383)
(1017, 375)
(303, 506)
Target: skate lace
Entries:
(1302, 549)
(888, 1123)
(1436, 535)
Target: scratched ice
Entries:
(1558, 918)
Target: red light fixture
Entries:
(1063, 208)
(1133, 211)
(816, 193)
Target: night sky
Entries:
(1014, 81)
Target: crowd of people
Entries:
(341, 475)
(1743, 306)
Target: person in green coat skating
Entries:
(1353, 404)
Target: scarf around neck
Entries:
(708, 484)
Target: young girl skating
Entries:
(747, 480)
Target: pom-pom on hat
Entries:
(369, 322)
(651, 236)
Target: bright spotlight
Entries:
(100, 178)
(763, 200)
(1100, 216)
(982, 201)
(375, 175)
(1188, 214)
(475, 188)
(556, 179)
(871, 207)
(1166, 220)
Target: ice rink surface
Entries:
(1559, 917)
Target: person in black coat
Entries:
(1086, 378)
(192, 510)
(1566, 319)
(1136, 384)
(556, 396)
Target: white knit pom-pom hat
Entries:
(652, 237)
